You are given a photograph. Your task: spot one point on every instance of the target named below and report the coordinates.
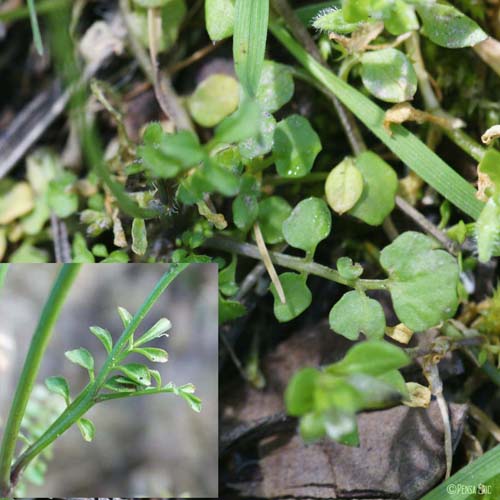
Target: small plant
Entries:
(116, 379)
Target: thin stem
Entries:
(122, 395)
(37, 37)
(41, 337)
(89, 395)
(294, 263)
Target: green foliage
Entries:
(344, 186)
(87, 429)
(273, 212)
(275, 86)
(327, 400)
(309, 223)
(333, 20)
(58, 385)
(388, 75)
(296, 146)
(81, 357)
(219, 18)
(297, 294)
(104, 336)
(356, 313)
(422, 280)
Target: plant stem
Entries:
(121, 395)
(295, 263)
(37, 37)
(89, 396)
(41, 337)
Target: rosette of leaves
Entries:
(129, 377)
(326, 400)
(386, 72)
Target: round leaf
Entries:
(356, 313)
(58, 385)
(299, 394)
(373, 357)
(312, 426)
(272, 213)
(399, 17)
(380, 184)
(219, 18)
(448, 27)
(309, 223)
(104, 336)
(297, 294)
(263, 141)
(389, 75)
(343, 186)
(347, 269)
(245, 211)
(296, 146)
(215, 98)
(81, 357)
(423, 280)
(275, 87)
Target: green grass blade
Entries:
(479, 472)
(403, 143)
(249, 41)
(37, 37)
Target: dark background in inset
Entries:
(145, 446)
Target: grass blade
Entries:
(476, 473)
(37, 38)
(409, 148)
(249, 41)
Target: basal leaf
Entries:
(296, 146)
(422, 280)
(389, 75)
(373, 357)
(356, 313)
(298, 297)
(159, 329)
(104, 336)
(309, 223)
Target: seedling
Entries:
(115, 379)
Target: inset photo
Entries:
(109, 380)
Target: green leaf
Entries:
(489, 166)
(81, 357)
(230, 310)
(136, 372)
(139, 237)
(297, 294)
(35, 28)
(81, 254)
(336, 392)
(249, 42)
(86, 428)
(262, 142)
(159, 329)
(117, 383)
(406, 146)
(243, 124)
(272, 213)
(309, 223)
(219, 179)
(58, 385)
(333, 20)
(166, 155)
(396, 380)
(343, 186)
(125, 316)
(341, 426)
(380, 184)
(219, 18)
(312, 426)
(388, 75)
(356, 10)
(375, 391)
(151, 4)
(487, 230)
(422, 280)
(153, 354)
(104, 336)
(373, 357)
(227, 279)
(275, 86)
(61, 197)
(299, 394)
(194, 402)
(215, 98)
(347, 269)
(245, 211)
(399, 17)
(356, 313)
(448, 27)
(296, 146)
